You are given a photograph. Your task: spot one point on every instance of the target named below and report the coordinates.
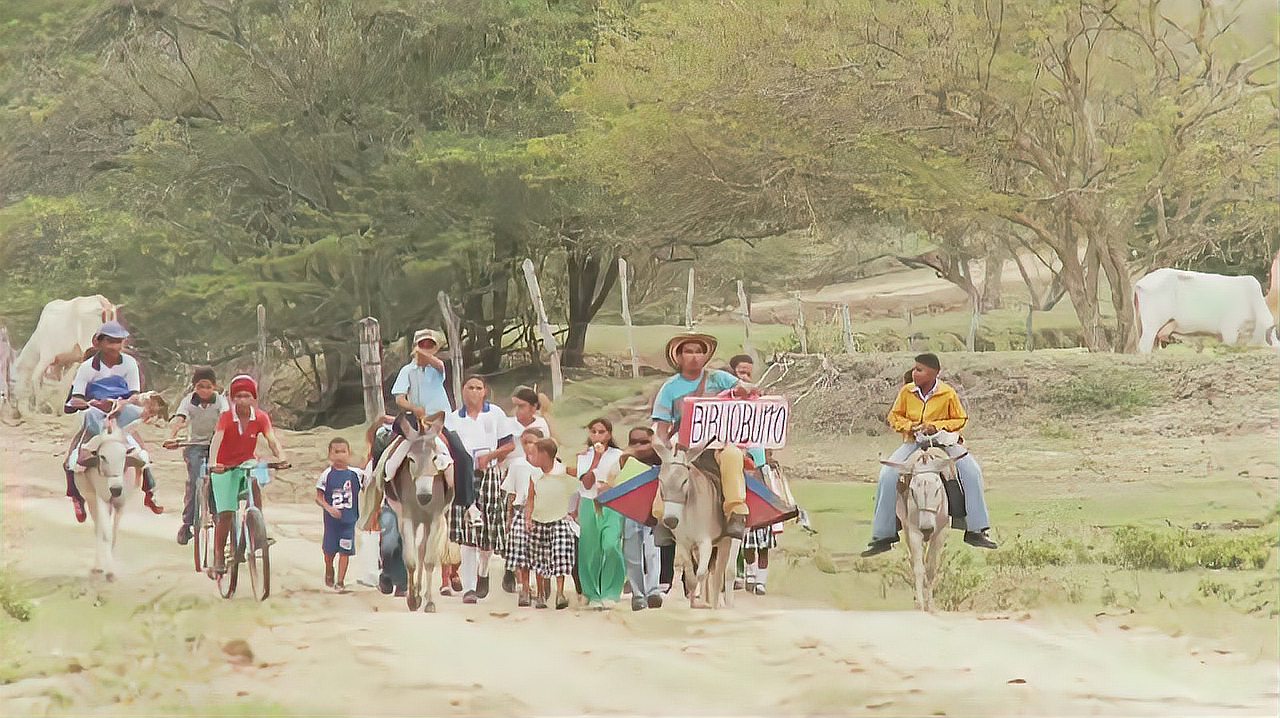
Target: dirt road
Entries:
(159, 640)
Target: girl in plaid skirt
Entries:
(519, 554)
(527, 407)
(485, 431)
(546, 514)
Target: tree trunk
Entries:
(1086, 305)
(592, 274)
(992, 281)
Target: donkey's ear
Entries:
(406, 429)
(695, 451)
(902, 468)
(135, 458)
(93, 444)
(945, 467)
(433, 424)
(661, 448)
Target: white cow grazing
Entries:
(64, 331)
(1174, 301)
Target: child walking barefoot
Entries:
(338, 493)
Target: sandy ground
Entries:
(159, 639)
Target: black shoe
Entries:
(654, 601)
(638, 603)
(384, 584)
(737, 527)
(184, 535)
(878, 546)
(979, 539)
(509, 581)
(482, 587)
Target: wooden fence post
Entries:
(801, 330)
(544, 329)
(264, 374)
(848, 328)
(746, 320)
(371, 369)
(626, 318)
(688, 303)
(6, 365)
(455, 344)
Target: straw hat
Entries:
(673, 346)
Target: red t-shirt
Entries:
(240, 444)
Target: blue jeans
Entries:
(196, 457)
(392, 549)
(94, 418)
(644, 563)
(885, 523)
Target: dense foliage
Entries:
(333, 159)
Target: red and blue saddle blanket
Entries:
(634, 499)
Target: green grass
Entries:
(1111, 546)
(1121, 391)
(651, 340)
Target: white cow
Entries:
(64, 331)
(1174, 301)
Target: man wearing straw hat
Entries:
(688, 354)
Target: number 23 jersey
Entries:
(341, 489)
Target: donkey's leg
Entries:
(934, 561)
(701, 575)
(915, 544)
(423, 579)
(409, 540)
(116, 513)
(101, 535)
(432, 541)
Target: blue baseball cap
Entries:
(113, 330)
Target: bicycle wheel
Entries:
(227, 581)
(257, 557)
(199, 547)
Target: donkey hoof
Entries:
(430, 607)
(111, 576)
(414, 602)
(96, 572)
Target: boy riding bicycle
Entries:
(234, 443)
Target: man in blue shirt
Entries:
(688, 354)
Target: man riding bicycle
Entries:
(923, 408)
(234, 443)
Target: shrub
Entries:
(1120, 392)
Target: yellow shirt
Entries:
(550, 497)
(942, 409)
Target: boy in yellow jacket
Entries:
(925, 406)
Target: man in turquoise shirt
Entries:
(688, 353)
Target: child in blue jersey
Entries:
(338, 493)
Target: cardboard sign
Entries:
(760, 422)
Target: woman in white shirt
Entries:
(601, 569)
(485, 431)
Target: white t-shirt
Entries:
(483, 433)
(607, 469)
(521, 474)
(517, 430)
(94, 369)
